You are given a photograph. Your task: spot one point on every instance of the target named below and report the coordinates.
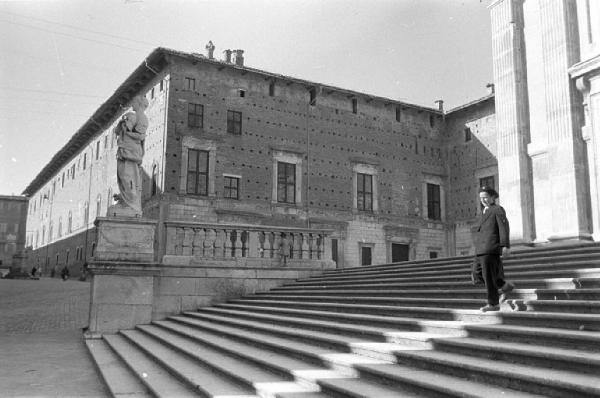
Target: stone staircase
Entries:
(398, 330)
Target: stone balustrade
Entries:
(251, 241)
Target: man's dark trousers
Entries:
(488, 269)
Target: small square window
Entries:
(433, 254)
(242, 93)
(190, 84)
(234, 122)
(231, 188)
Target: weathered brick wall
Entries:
(468, 161)
(329, 137)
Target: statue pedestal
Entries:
(123, 271)
(125, 239)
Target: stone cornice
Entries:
(588, 66)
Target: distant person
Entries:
(64, 273)
(492, 242)
(33, 271)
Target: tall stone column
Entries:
(512, 118)
(557, 148)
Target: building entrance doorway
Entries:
(399, 252)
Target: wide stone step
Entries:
(120, 380)
(188, 368)
(436, 384)
(275, 358)
(570, 306)
(549, 283)
(550, 382)
(155, 377)
(401, 323)
(406, 301)
(419, 338)
(479, 293)
(367, 346)
(304, 349)
(587, 322)
(552, 337)
(257, 379)
(459, 277)
(527, 354)
(453, 269)
(525, 257)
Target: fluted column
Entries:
(512, 118)
(561, 187)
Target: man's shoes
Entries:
(504, 290)
(490, 307)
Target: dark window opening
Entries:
(271, 89)
(468, 136)
(195, 115)
(433, 202)
(334, 251)
(398, 114)
(399, 252)
(365, 255)
(197, 172)
(231, 189)
(234, 122)
(313, 96)
(242, 93)
(190, 83)
(364, 193)
(431, 121)
(354, 105)
(488, 181)
(286, 182)
(97, 149)
(433, 254)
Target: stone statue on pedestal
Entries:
(131, 133)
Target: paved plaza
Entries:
(42, 353)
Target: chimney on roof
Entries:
(210, 49)
(440, 105)
(238, 57)
(490, 87)
(227, 56)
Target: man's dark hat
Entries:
(490, 191)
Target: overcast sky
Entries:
(59, 60)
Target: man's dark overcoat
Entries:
(493, 232)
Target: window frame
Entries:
(289, 170)
(195, 119)
(361, 192)
(197, 173)
(228, 188)
(434, 202)
(234, 126)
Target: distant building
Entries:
(232, 144)
(13, 217)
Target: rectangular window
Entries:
(242, 92)
(468, 136)
(195, 115)
(487, 182)
(271, 89)
(400, 252)
(354, 105)
(105, 141)
(313, 96)
(398, 114)
(97, 149)
(152, 93)
(84, 160)
(234, 122)
(286, 182)
(73, 171)
(62, 183)
(433, 254)
(190, 84)
(365, 255)
(433, 202)
(231, 189)
(364, 192)
(197, 172)
(161, 85)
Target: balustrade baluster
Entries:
(220, 242)
(179, 241)
(305, 246)
(237, 243)
(261, 243)
(199, 242)
(209, 243)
